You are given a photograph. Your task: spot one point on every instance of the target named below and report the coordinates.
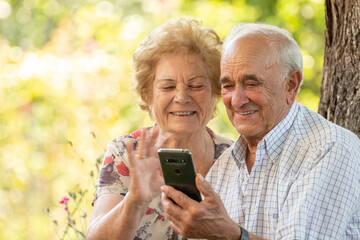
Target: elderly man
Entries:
(291, 174)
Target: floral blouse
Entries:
(114, 178)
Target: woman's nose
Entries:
(182, 96)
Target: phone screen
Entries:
(178, 171)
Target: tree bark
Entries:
(340, 83)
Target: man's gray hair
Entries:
(279, 40)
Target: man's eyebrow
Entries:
(223, 80)
(251, 77)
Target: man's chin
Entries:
(248, 130)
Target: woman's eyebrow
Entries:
(197, 76)
(165, 80)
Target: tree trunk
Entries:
(340, 84)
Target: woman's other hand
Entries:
(145, 171)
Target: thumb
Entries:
(204, 186)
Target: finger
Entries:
(131, 154)
(181, 199)
(173, 211)
(141, 149)
(151, 141)
(204, 186)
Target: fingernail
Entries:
(201, 178)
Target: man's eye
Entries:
(253, 84)
(227, 86)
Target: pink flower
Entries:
(108, 159)
(149, 211)
(64, 200)
(136, 133)
(122, 169)
(160, 217)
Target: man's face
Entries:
(252, 88)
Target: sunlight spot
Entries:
(16, 195)
(31, 4)
(23, 15)
(104, 9)
(133, 27)
(318, 1)
(307, 12)
(37, 160)
(16, 54)
(83, 114)
(105, 113)
(152, 6)
(5, 10)
(308, 61)
(51, 8)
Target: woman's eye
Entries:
(168, 87)
(196, 86)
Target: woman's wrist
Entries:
(135, 204)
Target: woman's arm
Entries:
(115, 217)
(118, 217)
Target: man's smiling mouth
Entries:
(246, 113)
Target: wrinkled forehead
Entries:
(249, 48)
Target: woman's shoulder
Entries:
(218, 138)
(221, 142)
(118, 144)
(122, 140)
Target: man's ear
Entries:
(293, 82)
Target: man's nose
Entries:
(239, 97)
(182, 95)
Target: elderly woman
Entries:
(177, 77)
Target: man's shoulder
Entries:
(313, 129)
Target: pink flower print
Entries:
(122, 169)
(135, 134)
(160, 217)
(108, 159)
(149, 211)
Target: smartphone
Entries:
(178, 171)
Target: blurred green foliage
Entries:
(65, 76)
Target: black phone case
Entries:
(178, 171)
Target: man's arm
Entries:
(207, 219)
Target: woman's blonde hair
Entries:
(184, 35)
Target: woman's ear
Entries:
(293, 82)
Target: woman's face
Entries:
(182, 100)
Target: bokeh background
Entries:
(65, 78)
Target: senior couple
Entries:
(290, 174)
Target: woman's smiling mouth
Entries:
(183, 113)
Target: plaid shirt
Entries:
(305, 183)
